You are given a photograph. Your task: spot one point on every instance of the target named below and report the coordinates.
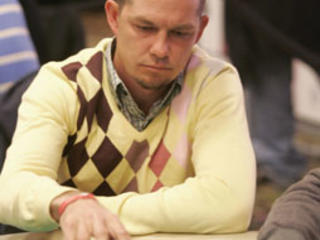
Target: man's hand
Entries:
(86, 218)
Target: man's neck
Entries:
(145, 98)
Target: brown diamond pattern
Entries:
(69, 183)
(69, 145)
(106, 158)
(159, 159)
(92, 108)
(77, 157)
(137, 154)
(83, 107)
(104, 190)
(95, 66)
(104, 113)
(71, 70)
(132, 186)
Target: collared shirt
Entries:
(125, 101)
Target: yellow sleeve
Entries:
(220, 198)
(28, 180)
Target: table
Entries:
(57, 235)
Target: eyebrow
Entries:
(142, 20)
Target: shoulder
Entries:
(209, 66)
(62, 79)
(90, 59)
(75, 70)
(204, 71)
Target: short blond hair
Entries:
(202, 4)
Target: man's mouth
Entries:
(156, 67)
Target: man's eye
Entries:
(180, 33)
(145, 28)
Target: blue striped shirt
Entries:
(17, 52)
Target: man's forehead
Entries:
(179, 4)
(177, 12)
(188, 25)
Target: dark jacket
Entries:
(296, 212)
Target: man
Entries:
(146, 121)
(296, 214)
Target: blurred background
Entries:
(275, 47)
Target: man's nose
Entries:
(160, 47)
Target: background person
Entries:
(296, 214)
(17, 53)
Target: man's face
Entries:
(154, 39)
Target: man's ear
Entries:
(203, 23)
(112, 11)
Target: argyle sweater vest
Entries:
(107, 155)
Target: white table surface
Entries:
(57, 235)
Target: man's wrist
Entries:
(57, 201)
(73, 199)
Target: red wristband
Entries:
(72, 199)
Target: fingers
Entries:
(101, 230)
(117, 230)
(84, 220)
(111, 227)
(82, 232)
(75, 230)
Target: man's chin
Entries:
(154, 84)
